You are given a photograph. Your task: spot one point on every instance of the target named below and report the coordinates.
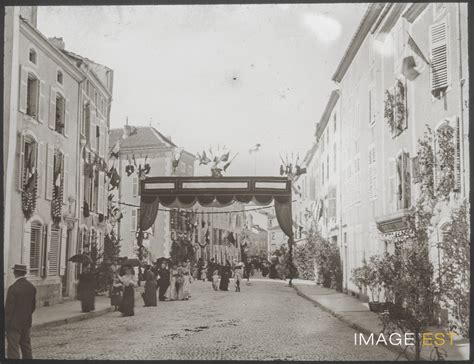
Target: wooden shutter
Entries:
(406, 182)
(49, 172)
(62, 261)
(133, 220)
(53, 253)
(439, 56)
(36, 237)
(21, 161)
(43, 106)
(93, 131)
(67, 119)
(135, 186)
(52, 108)
(65, 178)
(100, 207)
(44, 249)
(23, 89)
(40, 167)
(457, 164)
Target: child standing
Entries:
(215, 280)
(238, 276)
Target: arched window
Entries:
(32, 56)
(32, 96)
(36, 247)
(59, 77)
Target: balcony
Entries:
(393, 222)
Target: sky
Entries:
(215, 75)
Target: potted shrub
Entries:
(375, 284)
(361, 276)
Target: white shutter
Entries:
(67, 119)
(49, 172)
(53, 252)
(21, 160)
(100, 207)
(52, 108)
(42, 102)
(439, 56)
(135, 186)
(392, 183)
(66, 178)
(62, 262)
(457, 164)
(133, 220)
(40, 167)
(23, 89)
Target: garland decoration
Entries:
(29, 196)
(395, 112)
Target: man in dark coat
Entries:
(19, 308)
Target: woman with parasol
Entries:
(86, 284)
(129, 281)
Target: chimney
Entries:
(57, 42)
(29, 13)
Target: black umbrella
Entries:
(162, 260)
(131, 262)
(80, 258)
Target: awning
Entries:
(185, 192)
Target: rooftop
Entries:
(145, 137)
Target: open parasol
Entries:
(81, 258)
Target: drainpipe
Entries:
(461, 116)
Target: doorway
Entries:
(64, 278)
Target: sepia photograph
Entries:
(256, 181)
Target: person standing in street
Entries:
(163, 281)
(187, 280)
(181, 269)
(19, 307)
(203, 273)
(238, 276)
(226, 272)
(173, 292)
(129, 281)
(211, 267)
(116, 295)
(86, 289)
(149, 296)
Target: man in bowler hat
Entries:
(19, 308)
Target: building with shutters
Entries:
(405, 68)
(43, 108)
(159, 151)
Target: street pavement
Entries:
(267, 320)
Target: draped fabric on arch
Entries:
(185, 192)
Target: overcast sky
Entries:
(233, 75)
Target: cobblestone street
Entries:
(267, 320)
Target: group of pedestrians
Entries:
(170, 281)
(220, 275)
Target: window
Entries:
(59, 77)
(60, 115)
(97, 138)
(95, 191)
(439, 70)
(36, 240)
(27, 162)
(32, 98)
(135, 186)
(134, 219)
(403, 181)
(86, 120)
(32, 56)
(372, 174)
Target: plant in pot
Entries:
(374, 284)
(361, 276)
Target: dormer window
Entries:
(32, 56)
(59, 77)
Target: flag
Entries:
(256, 148)
(416, 49)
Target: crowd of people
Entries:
(164, 280)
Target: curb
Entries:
(394, 348)
(77, 318)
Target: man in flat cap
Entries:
(19, 307)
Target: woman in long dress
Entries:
(187, 280)
(225, 277)
(173, 292)
(116, 294)
(86, 290)
(163, 281)
(149, 295)
(129, 281)
(180, 281)
(238, 272)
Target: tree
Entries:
(454, 277)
